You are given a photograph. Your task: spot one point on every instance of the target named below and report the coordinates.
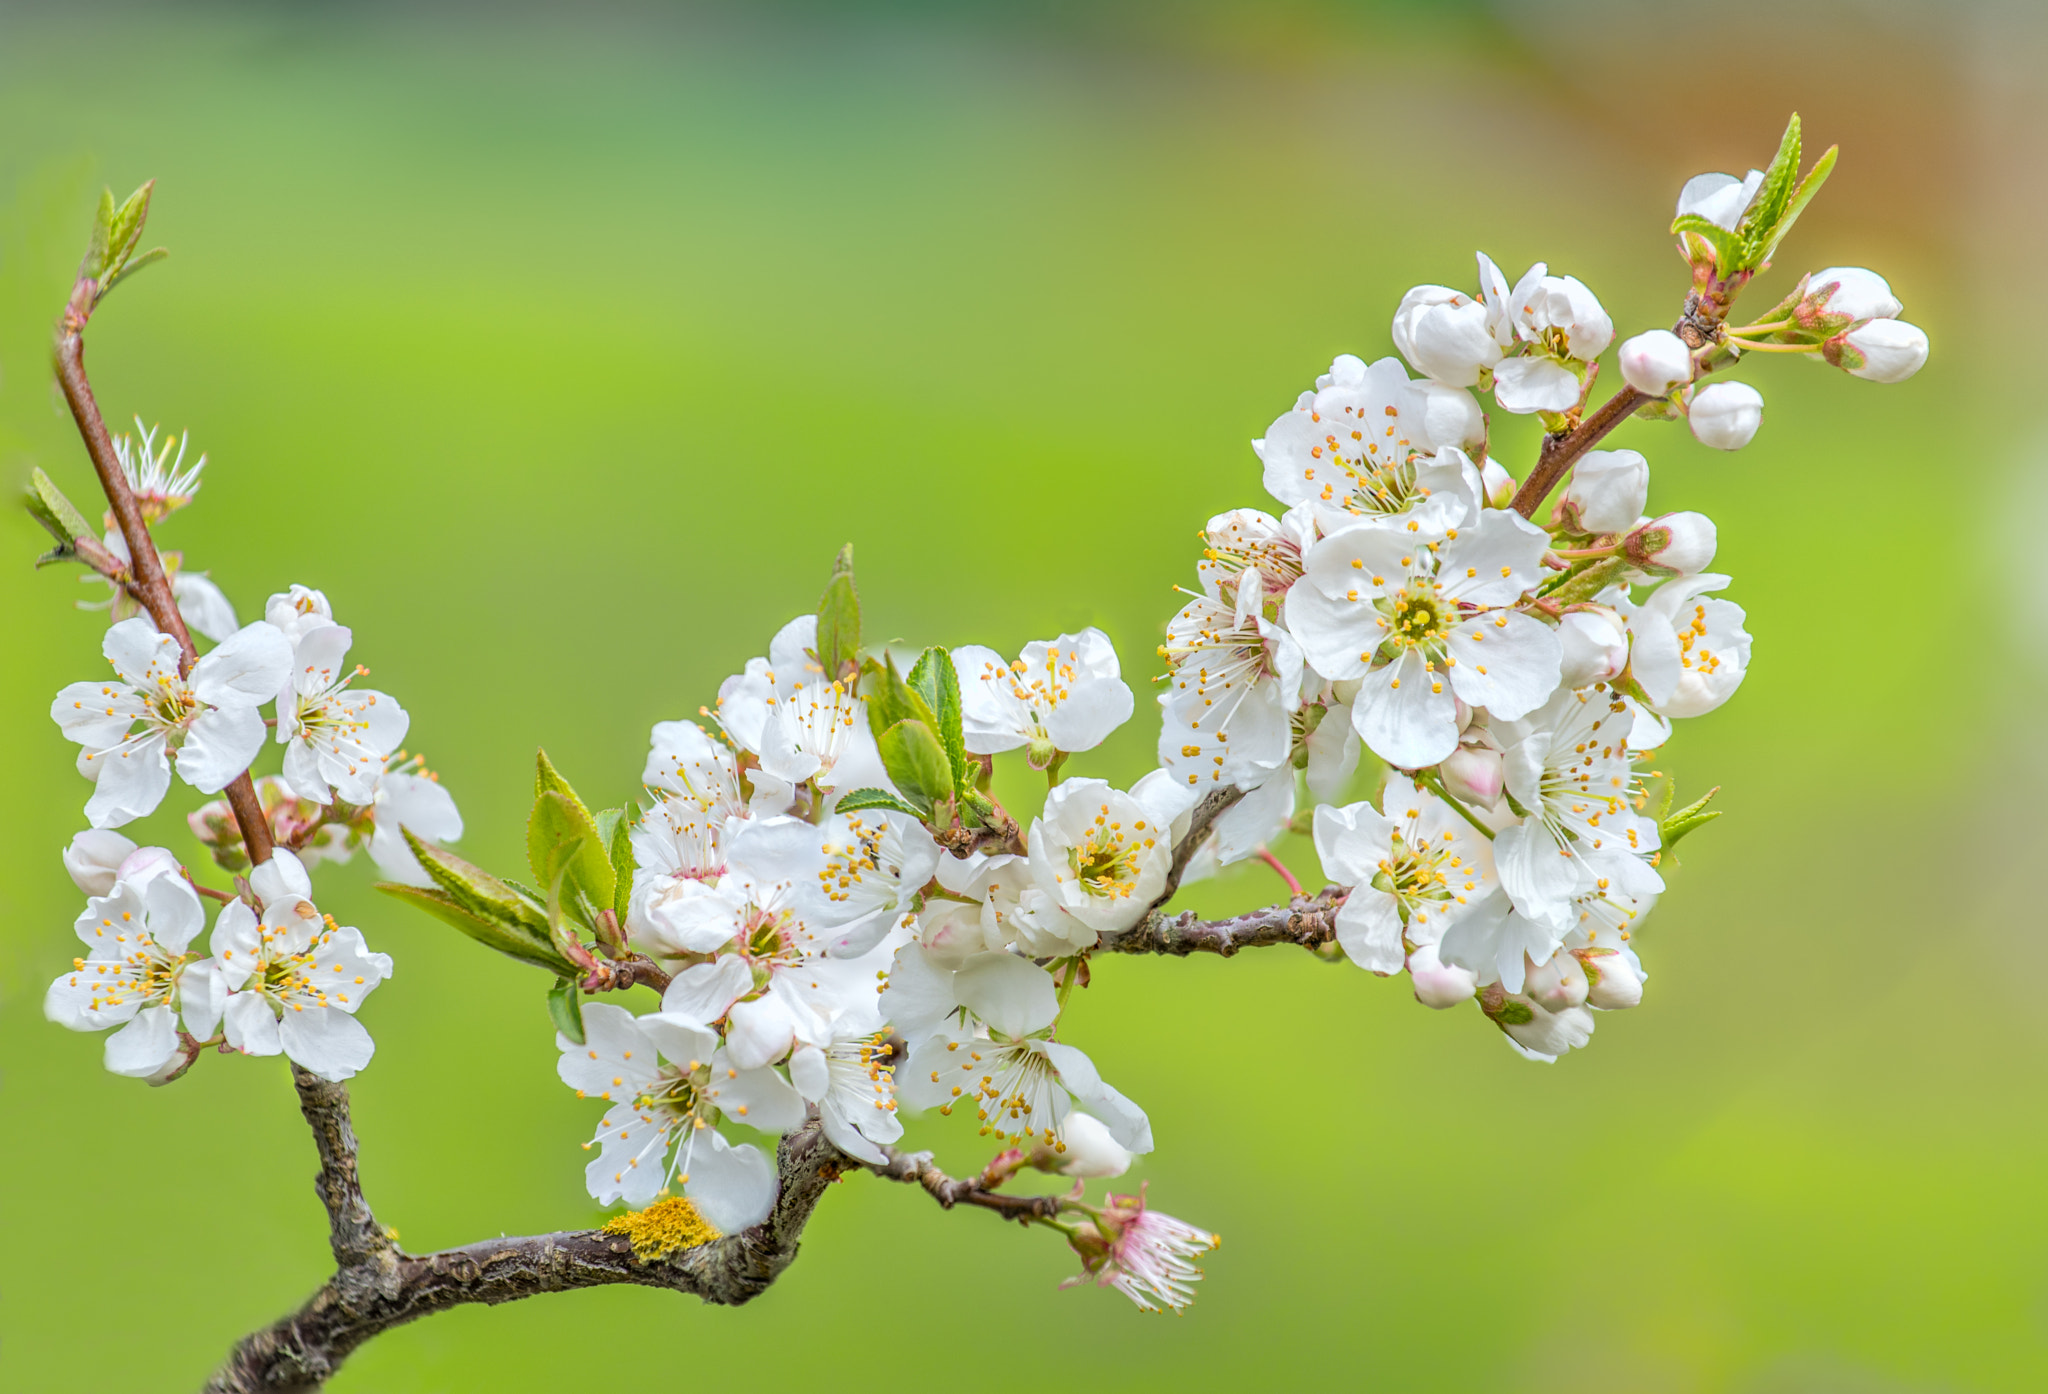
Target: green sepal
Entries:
(511, 939)
(565, 1007)
(58, 515)
(1694, 815)
(877, 798)
(475, 889)
(618, 835)
(916, 762)
(839, 619)
(937, 681)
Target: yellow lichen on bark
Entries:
(662, 1228)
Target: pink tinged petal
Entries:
(760, 1032)
(220, 746)
(131, 780)
(1510, 669)
(705, 992)
(142, 1046)
(759, 1098)
(329, 1042)
(1013, 995)
(1406, 715)
(732, 1187)
(246, 671)
(249, 1025)
(1369, 931)
(202, 996)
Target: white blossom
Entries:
(855, 1093)
(93, 859)
(337, 737)
(1059, 696)
(1445, 334)
(1881, 350)
(136, 972)
(1608, 491)
(1849, 294)
(131, 727)
(1100, 854)
(1655, 361)
(1689, 651)
(1725, 415)
(1414, 872)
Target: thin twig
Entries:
(1308, 922)
(915, 1168)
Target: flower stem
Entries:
(1435, 782)
(1293, 886)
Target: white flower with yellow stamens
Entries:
(132, 727)
(295, 978)
(137, 972)
(1358, 447)
(161, 483)
(1060, 695)
(855, 1092)
(1689, 651)
(337, 736)
(670, 1084)
(1100, 854)
(1423, 624)
(1416, 871)
(1236, 678)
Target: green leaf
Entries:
(877, 798)
(126, 228)
(620, 844)
(566, 1008)
(916, 762)
(475, 889)
(937, 681)
(95, 263)
(839, 619)
(59, 517)
(1727, 246)
(513, 940)
(569, 858)
(891, 700)
(1772, 196)
(546, 778)
(1693, 815)
(1801, 196)
(133, 265)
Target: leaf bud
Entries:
(1608, 491)
(1676, 544)
(1725, 415)
(1444, 334)
(1655, 362)
(1880, 350)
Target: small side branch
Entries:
(1308, 922)
(915, 1168)
(1213, 805)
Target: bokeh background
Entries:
(562, 349)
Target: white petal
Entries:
(246, 671)
(759, 1098)
(327, 1041)
(220, 746)
(93, 857)
(1510, 669)
(705, 992)
(732, 1187)
(250, 1025)
(1013, 995)
(1406, 715)
(132, 780)
(142, 1046)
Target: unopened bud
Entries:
(1614, 983)
(1438, 984)
(1545, 1035)
(1725, 415)
(1091, 1151)
(1474, 775)
(1498, 483)
(1677, 544)
(1882, 350)
(94, 859)
(1842, 295)
(145, 864)
(1444, 334)
(1558, 985)
(1595, 644)
(1656, 362)
(1608, 491)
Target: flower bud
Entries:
(1595, 644)
(1721, 199)
(1881, 350)
(1677, 544)
(1498, 483)
(1438, 984)
(94, 859)
(1091, 1151)
(1444, 334)
(1725, 415)
(1608, 491)
(1476, 775)
(1558, 985)
(145, 864)
(1656, 362)
(1614, 982)
(1544, 1035)
(1842, 295)
(1450, 416)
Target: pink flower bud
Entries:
(94, 859)
(1608, 491)
(1091, 1151)
(145, 864)
(1725, 415)
(1438, 984)
(1558, 985)
(1656, 362)
(1498, 483)
(1881, 350)
(1475, 775)
(1595, 644)
(1842, 295)
(1615, 983)
(1677, 544)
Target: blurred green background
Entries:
(562, 351)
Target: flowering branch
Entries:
(1307, 921)
(915, 1168)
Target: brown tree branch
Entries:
(1213, 805)
(915, 1168)
(1307, 921)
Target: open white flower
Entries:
(1689, 651)
(1445, 334)
(295, 978)
(747, 698)
(1414, 872)
(1423, 624)
(1100, 854)
(820, 734)
(669, 1084)
(875, 864)
(1061, 695)
(137, 973)
(337, 737)
(1236, 677)
(855, 1093)
(130, 727)
(1359, 447)
(684, 760)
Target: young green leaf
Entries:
(475, 889)
(1776, 190)
(125, 229)
(1693, 815)
(916, 762)
(95, 263)
(623, 863)
(890, 699)
(1801, 196)
(511, 939)
(568, 857)
(565, 1008)
(937, 681)
(839, 619)
(58, 515)
(878, 798)
(1727, 246)
(546, 777)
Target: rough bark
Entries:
(1308, 921)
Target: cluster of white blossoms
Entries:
(279, 976)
